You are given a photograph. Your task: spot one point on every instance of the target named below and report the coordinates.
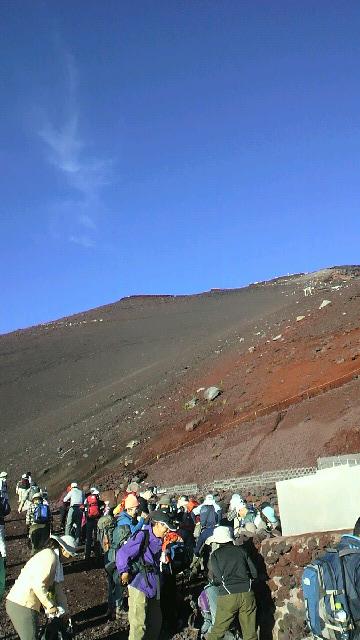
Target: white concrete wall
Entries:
(326, 501)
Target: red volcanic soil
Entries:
(76, 391)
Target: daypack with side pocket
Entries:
(105, 529)
(41, 514)
(92, 507)
(329, 585)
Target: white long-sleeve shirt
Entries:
(75, 496)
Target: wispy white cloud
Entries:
(86, 221)
(84, 174)
(83, 241)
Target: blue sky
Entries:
(171, 146)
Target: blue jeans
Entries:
(204, 535)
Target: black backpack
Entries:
(5, 508)
(57, 629)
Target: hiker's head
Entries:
(183, 502)
(74, 485)
(242, 509)
(37, 497)
(65, 544)
(356, 531)
(221, 535)
(165, 502)
(133, 487)
(161, 524)
(131, 504)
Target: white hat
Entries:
(94, 491)
(270, 514)
(221, 535)
(236, 499)
(73, 485)
(3, 474)
(24, 475)
(68, 543)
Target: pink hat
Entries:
(131, 501)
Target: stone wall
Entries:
(282, 611)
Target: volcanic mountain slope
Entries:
(76, 391)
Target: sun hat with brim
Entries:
(269, 512)
(94, 491)
(3, 474)
(165, 499)
(36, 495)
(74, 485)
(68, 543)
(221, 535)
(163, 517)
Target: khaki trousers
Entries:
(25, 620)
(241, 604)
(144, 616)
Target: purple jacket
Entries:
(147, 583)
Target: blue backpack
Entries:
(330, 592)
(41, 514)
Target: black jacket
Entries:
(232, 569)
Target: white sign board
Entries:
(326, 501)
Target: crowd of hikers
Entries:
(147, 541)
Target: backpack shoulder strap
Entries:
(348, 552)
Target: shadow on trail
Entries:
(264, 601)
(16, 536)
(82, 565)
(91, 617)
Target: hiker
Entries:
(126, 525)
(38, 519)
(210, 516)
(138, 565)
(166, 504)
(93, 509)
(245, 516)
(266, 519)
(232, 571)
(22, 487)
(236, 501)
(39, 585)
(128, 516)
(207, 605)
(133, 489)
(27, 497)
(105, 530)
(64, 508)
(186, 521)
(3, 485)
(4, 511)
(73, 521)
(173, 560)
